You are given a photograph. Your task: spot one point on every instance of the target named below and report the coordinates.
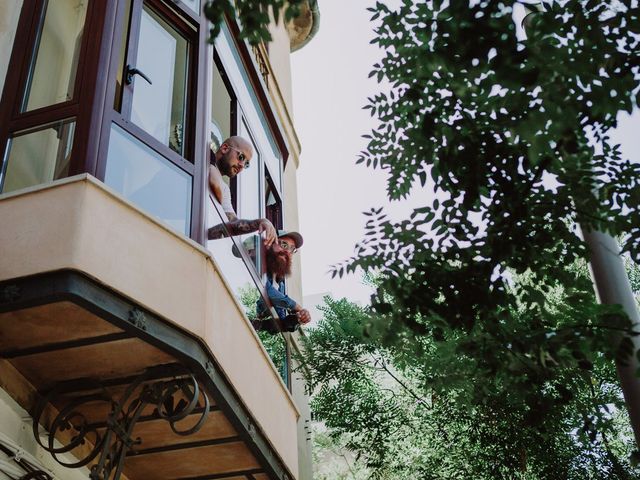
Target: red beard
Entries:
(278, 264)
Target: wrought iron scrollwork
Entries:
(138, 319)
(174, 399)
(10, 293)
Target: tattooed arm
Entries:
(239, 226)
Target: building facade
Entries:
(126, 343)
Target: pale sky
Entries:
(330, 87)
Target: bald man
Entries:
(233, 156)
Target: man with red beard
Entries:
(279, 259)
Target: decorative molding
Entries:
(138, 319)
(209, 368)
(263, 65)
(259, 54)
(10, 293)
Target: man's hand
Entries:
(269, 230)
(238, 226)
(304, 316)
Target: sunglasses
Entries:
(287, 246)
(241, 156)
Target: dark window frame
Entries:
(194, 30)
(122, 117)
(88, 80)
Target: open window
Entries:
(150, 146)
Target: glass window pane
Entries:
(248, 200)
(272, 203)
(276, 347)
(38, 156)
(243, 287)
(231, 264)
(117, 101)
(159, 107)
(220, 109)
(53, 71)
(193, 5)
(150, 181)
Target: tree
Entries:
(254, 16)
(511, 135)
(538, 405)
(274, 345)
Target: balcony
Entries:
(117, 331)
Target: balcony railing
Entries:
(236, 259)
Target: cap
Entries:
(295, 236)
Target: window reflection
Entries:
(241, 283)
(232, 266)
(117, 100)
(38, 156)
(221, 109)
(193, 5)
(272, 202)
(53, 71)
(159, 107)
(147, 179)
(248, 197)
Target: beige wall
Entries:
(9, 13)
(299, 393)
(291, 222)
(280, 62)
(281, 86)
(280, 91)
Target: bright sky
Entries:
(330, 87)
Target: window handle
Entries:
(131, 71)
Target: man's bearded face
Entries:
(278, 261)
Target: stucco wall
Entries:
(291, 221)
(299, 393)
(280, 62)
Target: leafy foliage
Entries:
(254, 16)
(511, 135)
(273, 344)
(450, 409)
(332, 460)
